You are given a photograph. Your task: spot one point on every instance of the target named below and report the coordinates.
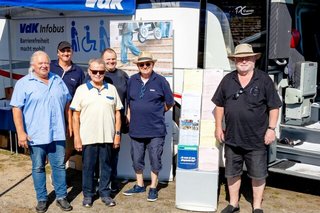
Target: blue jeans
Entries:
(91, 154)
(55, 152)
(165, 27)
(126, 43)
(114, 164)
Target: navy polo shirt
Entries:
(246, 110)
(119, 79)
(147, 103)
(72, 78)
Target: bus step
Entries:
(296, 169)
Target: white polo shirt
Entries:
(97, 112)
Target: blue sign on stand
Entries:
(187, 157)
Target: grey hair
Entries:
(34, 55)
(97, 60)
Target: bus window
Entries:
(247, 23)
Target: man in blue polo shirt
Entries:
(73, 76)
(149, 97)
(39, 102)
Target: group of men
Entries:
(95, 113)
(57, 110)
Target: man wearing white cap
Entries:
(249, 102)
(148, 96)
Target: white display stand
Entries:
(196, 190)
(197, 184)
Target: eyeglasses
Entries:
(142, 64)
(142, 90)
(94, 72)
(238, 93)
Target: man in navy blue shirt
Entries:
(119, 79)
(149, 97)
(73, 76)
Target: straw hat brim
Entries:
(144, 60)
(242, 55)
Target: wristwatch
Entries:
(118, 133)
(272, 128)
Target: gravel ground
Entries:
(283, 193)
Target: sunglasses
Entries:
(142, 64)
(238, 93)
(94, 72)
(248, 58)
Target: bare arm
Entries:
(167, 107)
(128, 114)
(76, 131)
(218, 115)
(68, 115)
(117, 138)
(270, 135)
(23, 138)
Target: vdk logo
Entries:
(105, 4)
(29, 28)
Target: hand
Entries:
(219, 134)
(269, 137)
(116, 141)
(77, 144)
(23, 139)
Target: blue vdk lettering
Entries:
(29, 28)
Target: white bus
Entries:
(286, 33)
(205, 32)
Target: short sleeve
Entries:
(76, 101)
(272, 96)
(66, 91)
(219, 98)
(119, 105)
(19, 95)
(168, 93)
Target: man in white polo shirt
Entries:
(96, 120)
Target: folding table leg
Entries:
(10, 138)
(16, 141)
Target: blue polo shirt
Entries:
(43, 107)
(72, 78)
(147, 103)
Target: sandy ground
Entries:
(283, 193)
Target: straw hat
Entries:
(144, 57)
(244, 50)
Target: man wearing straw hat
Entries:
(249, 102)
(149, 97)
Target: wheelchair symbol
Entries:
(86, 43)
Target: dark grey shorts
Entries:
(155, 150)
(255, 160)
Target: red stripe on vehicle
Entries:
(7, 75)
